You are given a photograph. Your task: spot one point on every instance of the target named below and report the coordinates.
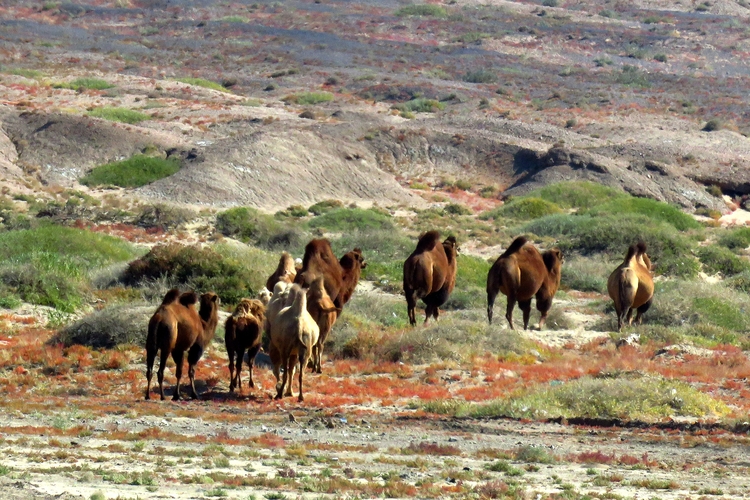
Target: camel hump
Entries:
(428, 241)
(632, 252)
(188, 298)
(171, 296)
(640, 248)
(514, 247)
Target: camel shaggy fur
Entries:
(430, 274)
(294, 333)
(285, 271)
(522, 273)
(340, 276)
(177, 327)
(243, 331)
(631, 285)
(324, 313)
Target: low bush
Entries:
(526, 208)
(480, 76)
(625, 398)
(325, 206)
(161, 215)
(653, 209)
(85, 83)
(612, 234)
(713, 125)
(717, 259)
(352, 219)
(420, 105)
(457, 209)
(122, 115)
(136, 171)
(109, 327)
(231, 271)
(200, 82)
(422, 10)
(309, 98)
(736, 239)
(587, 274)
(252, 226)
(577, 194)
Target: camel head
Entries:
(209, 306)
(265, 296)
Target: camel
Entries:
(243, 331)
(340, 276)
(522, 273)
(177, 327)
(631, 285)
(430, 274)
(294, 333)
(324, 313)
(285, 271)
(279, 300)
(351, 264)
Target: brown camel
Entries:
(177, 327)
(430, 274)
(243, 331)
(631, 285)
(285, 271)
(340, 277)
(522, 273)
(324, 313)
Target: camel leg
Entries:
(543, 305)
(629, 317)
(194, 354)
(292, 368)
(302, 362)
(177, 357)
(525, 307)
(232, 383)
(160, 373)
(240, 357)
(251, 353)
(280, 385)
(509, 309)
(428, 311)
(411, 306)
(150, 358)
(319, 355)
(490, 305)
(642, 309)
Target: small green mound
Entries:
(324, 206)
(422, 10)
(50, 265)
(206, 84)
(577, 194)
(420, 105)
(526, 208)
(252, 226)
(122, 115)
(623, 398)
(736, 239)
(721, 260)
(232, 272)
(309, 98)
(352, 219)
(84, 83)
(136, 171)
(654, 209)
(108, 328)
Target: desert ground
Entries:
(152, 144)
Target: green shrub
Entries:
(577, 194)
(324, 206)
(122, 115)
(384, 251)
(632, 76)
(348, 219)
(50, 265)
(525, 208)
(161, 215)
(309, 98)
(660, 58)
(457, 209)
(200, 82)
(586, 274)
(109, 327)
(231, 271)
(420, 105)
(423, 10)
(721, 260)
(136, 171)
(84, 83)
(251, 226)
(292, 211)
(736, 239)
(480, 76)
(740, 281)
(643, 398)
(718, 312)
(471, 281)
(654, 209)
(613, 234)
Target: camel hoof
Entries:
(148, 396)
(300, 398)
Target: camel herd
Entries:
(306, 300)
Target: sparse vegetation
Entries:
(422, 10)
(84, 84)
(309, 98)
(206, 84)
(122, 115)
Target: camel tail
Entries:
(632, 252)
(626, 295)
(420, 282)
(152, 343)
